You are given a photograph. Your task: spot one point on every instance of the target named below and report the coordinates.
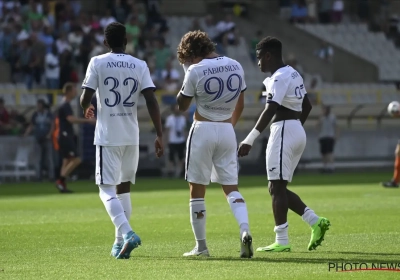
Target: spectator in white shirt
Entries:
(176, 132)
(63, 44)
(209, 27)
(325, 52)
(75, 39)
(52, 71)
(225, 25)
(107, 19)
(337, 14)
(312, 10)
(171, 77)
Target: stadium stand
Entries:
(357, 39)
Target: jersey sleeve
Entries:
(276, 90)
(146, 81)
(244, 86)
(303, 90)
(92, 78)
(189, 83)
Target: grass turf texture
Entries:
(46, 235)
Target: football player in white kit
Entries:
(288, 107)
(118, 79)
(217, 85)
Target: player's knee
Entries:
(276, 187)
(230, 189)
(124, 187)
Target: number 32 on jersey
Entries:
(114, 82)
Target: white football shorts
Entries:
(286, 144)
(116, 164)
(211, 154)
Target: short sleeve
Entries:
(67, 110)
(92, 78)
(146, 81)
(168, 123)
(175, 74)
(275, 90)
(189, 83)
(244, 86)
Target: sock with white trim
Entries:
(198, 221)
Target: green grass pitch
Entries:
(46, 235)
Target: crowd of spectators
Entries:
(48, 43)
(223, 32)
(303, 11)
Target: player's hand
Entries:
(89, 112)
(244, 150)
(158, 144)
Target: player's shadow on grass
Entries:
(368, 254)
(285, 258)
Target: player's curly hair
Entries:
(115, 34)
(194, 44)
(271, 45)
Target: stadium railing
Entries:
(349, 105)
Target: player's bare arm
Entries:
(183, 102)
(75, 120)
(263, 121)
(154, 112)
(306, 109)
(85, 101)
(238, 109)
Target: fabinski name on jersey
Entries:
(216, 70)
(120, 64)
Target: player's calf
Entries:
(239, 210)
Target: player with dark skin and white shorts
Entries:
(288, 107)
(217, 84)
(118, 79)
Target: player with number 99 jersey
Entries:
(118, 80)
(216, 84)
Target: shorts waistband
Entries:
(211, 123)
(280, 123)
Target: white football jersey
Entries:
(285, 87)
(118, 80)
(216, 84)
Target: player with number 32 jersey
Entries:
(113, 75)
(118, 79)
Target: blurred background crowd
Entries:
(347, 52)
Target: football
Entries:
(393, 108)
